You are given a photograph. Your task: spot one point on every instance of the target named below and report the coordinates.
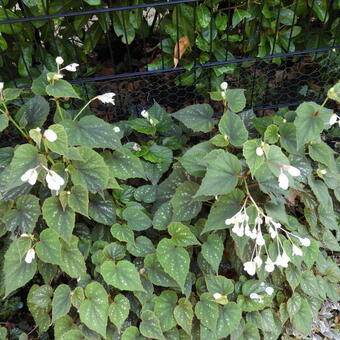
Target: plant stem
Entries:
(59, 110)
(14, 122)
(84, 107)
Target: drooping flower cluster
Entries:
(54, 181)
(241, 228)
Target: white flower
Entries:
(282, 260)
(59, 60)
(136, 147)
(333, 119)
(323, 171)
(305, 241)
(116, 129)
(238, 230)
(293, 171)
(269, 266)
(152, 122)
(297, 251)
(253, 234)
(107, 98)
(38, 129)
(273, 233)
(283, 181)
(258, 261)
(259, 151)
(30, 176)
(50, 135)
(54, 181)
(1, 86)
(250, 267)
(223, 94)
(217, 296)
(72, 67)
(54, 76)
(149, 15)
(269, 290)
(24, 235)
(145, 114)
(254, 296)
(224, 86)
(30, 255)
(260, 240)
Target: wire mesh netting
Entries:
(129, 47)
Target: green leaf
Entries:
(61, 89)
(302, 319)
(232, 126)
(309, 284)
(175, 260)
(181, 235)
(183, 206)
(294, 305)
(78, 199)
(33, 113)
(293, 276)
(137, 219)
(16, 271)
(85, 132)
(119, 310)
(239, 15)
(12, 93)
(141, 247)
(192, 160)
(164, 308)
(38, 302)
(207, 311)
(3, 122)
(25, 158)
(122, 233)
(271, 134)
(124, 165)
(236, 99)
(77, 297)
(60, 220)
(334, 92)
(158, 154)
(163, 216)
(288, 137)
(197, 117)
(92, 173)
(212, 251)
(72, 260)
(228, 320)
(61, 302)
(184, 314)
(94, 310)
(221, 177)
(219, 284)
(102, 211)
(203, 16)
(225, 207)
(60, 146)
(308, 124)
(249, 151)
(150, 326)
(25, 214)
(122, 275)
(146, 193)
(131, 333)
(49, 248)
(321, 152)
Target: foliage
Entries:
(211, 32)
(172, 228)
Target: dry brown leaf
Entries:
(181, 46)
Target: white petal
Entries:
(1, 86)
(24, 235)
(116, 129)
(30, 176)
(72, 67)
(145, 114)
(305, 241)
(259, 151)
(107, 98)
(224, 86)
(283, 181)
(297, 251)
(217, 296)
(269, 290)
(30, 255)
(54, 181)
(50, 135)
(258, 261)
(254, 296)
(333, 119)
(270, 266)
(250, 267)
(260, 240)
(293, 171)
(59, 60)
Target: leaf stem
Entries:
(13, 121)
(59, 111)
(83, 108)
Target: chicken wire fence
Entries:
(139, 67)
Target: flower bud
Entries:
(224, 86)
(30, 255)
(59, 60)
(50, 135)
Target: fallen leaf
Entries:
(180, 48)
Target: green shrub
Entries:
(179, 226)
